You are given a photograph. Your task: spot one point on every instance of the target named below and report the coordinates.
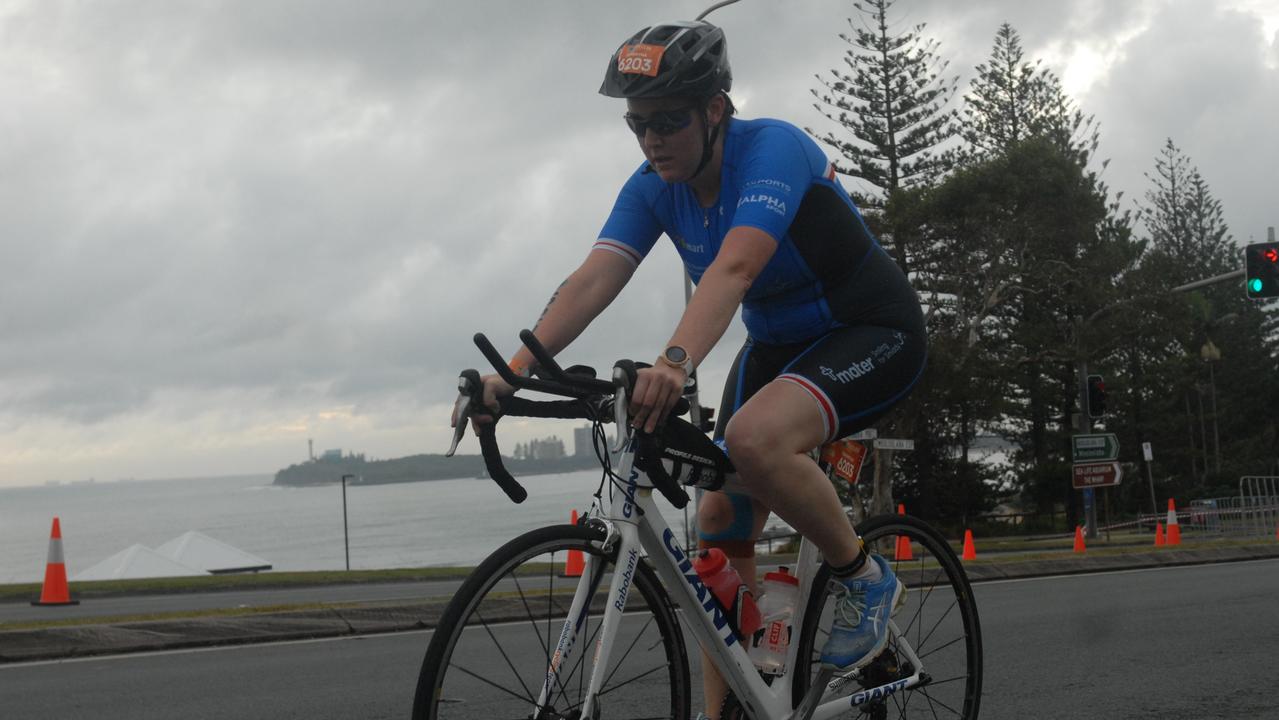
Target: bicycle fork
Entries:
(619, 589)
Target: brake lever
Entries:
(623, 380)
(468, 383)
(619, 418)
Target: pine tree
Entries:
(1011, 100)
(1186, 223)
(891, 101)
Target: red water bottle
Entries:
(734, 597)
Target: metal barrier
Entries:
(1260, 495)
(1254, 512)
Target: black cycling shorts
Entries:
(854, 374)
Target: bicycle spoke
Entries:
(618, 665)
(932, 700)
(502, 651)
(546, 649)
(935, 683)
(932, 630)
(961, 638)
(619, 686)
(506, 690)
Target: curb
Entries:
(81, 641)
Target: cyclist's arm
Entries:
(742, 257)
(578, 301)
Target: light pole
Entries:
(346, 537)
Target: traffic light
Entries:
(1096, 396)
(1261, 263)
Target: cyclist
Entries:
(835, 332)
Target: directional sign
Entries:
(894, 444)
(1089, 448)
(1090, 475)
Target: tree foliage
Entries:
(1011, 99)
(1032, 275)
(890, 99)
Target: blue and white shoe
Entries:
(862, 609)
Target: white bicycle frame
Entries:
(635, 524)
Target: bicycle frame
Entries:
(634, 523)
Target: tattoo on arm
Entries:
(550, 302)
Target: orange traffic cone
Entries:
(1079, 540)
(576, 562)
(903, 542)
(55, 591)
(1174, 530)
(1159, 535)
(970, 551)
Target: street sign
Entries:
(894, 444)
(1146, 453)
(1090, 448)
(1091, 475)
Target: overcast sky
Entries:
(226, 228)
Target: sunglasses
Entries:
(664, 122)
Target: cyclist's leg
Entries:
(732, 522)
(770, 437)
(839, 384)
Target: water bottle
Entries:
(734, 596)
(777, 606)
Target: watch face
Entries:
(676, 354)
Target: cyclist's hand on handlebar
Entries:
(657, 389)
(494, 387)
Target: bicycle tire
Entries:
(939, 619)
(482, 662)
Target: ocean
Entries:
(420, 524)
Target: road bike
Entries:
(589, 620)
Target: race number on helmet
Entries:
(684, 58)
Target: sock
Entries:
(861, 568)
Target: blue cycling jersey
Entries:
(774, 178)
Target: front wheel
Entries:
(938, 621)
(490, 654)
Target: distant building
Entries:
(334, 454)
(582, 444)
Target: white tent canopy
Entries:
(201, 551)
(137, 561)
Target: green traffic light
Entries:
(1255, 285)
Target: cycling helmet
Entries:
(681, 58)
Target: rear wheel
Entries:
(491, 651)
(938, 620)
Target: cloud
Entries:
(229, 226)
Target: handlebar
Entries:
(592, 399)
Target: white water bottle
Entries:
(777, 608)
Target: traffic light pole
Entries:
(1084, 426)
(1209, 281)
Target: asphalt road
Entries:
(1184, 642)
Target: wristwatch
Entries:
(676, 356)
